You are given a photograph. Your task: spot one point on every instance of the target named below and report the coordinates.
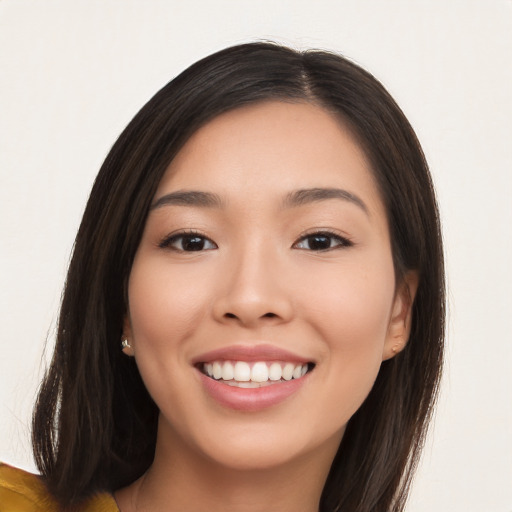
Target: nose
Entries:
(255, 291)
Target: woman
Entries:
(263, 241)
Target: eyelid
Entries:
(327, 232)
(166, 242)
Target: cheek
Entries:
(164, 308)
(164, 305)
(352, 308)
(358, 313)
(352, 319)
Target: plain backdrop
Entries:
(74, 72)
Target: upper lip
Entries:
(257, 352)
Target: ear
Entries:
(399, 327)
(126, 338)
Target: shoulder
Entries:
(21, 491)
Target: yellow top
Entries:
(23, 492)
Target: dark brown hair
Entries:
(94, 425)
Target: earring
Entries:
(395, 349)
(126, 347)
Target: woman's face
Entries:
(266, 254)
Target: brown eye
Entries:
(322, 242)
(188, 242)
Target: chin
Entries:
(259, 448)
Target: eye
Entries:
(322, 241)
(188, 242)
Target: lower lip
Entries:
(251, 399)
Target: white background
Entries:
(73, 73)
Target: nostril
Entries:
(249, 317)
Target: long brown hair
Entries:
(94, 425)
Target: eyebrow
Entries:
(189, 198)
(312, 195)
(293, 199)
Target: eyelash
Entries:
(341, 241)
(167, 242)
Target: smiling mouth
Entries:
(255, 374)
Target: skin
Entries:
(258, 280)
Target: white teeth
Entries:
(297, 372)
(228, 372)
(275, 372)
(242, 371)
(234, 383)
(288, 371)
(260, 372)
(217, 370)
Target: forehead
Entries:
(272, 148)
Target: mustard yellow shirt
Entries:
(23, 492)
